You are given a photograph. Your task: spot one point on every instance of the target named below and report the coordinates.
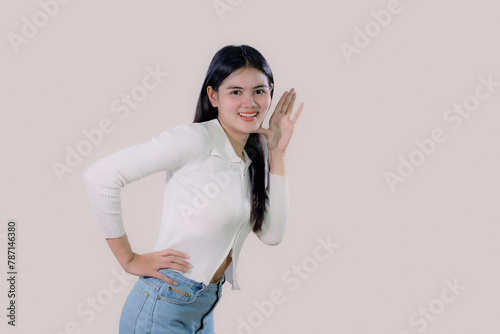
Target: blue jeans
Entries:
(155, 306)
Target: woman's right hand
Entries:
(149, 264)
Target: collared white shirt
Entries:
(207, 200)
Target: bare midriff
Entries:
(218, 274)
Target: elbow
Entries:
(272, 234)
(91, 176)
(274, 241)
(96, 175)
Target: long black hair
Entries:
(227, 60)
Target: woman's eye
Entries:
(260, 91)
(235, 92)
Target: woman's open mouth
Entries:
(248, 116)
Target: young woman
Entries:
(225, 177)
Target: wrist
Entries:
(276, 153)
(126, 263)
(277, 162)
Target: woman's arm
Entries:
(277, 162)
(147, 264)
(277, 138)
(183, 145)
(277, 208)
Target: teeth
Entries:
(247, 115)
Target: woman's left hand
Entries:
(280, 126)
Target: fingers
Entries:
(172, 259)
(297, 113)
(176, 266)
(170, 262)
(165, 278)
(176, 263)
(279, 106)
(167, 252)
(288, 103)
(150, 264)
(285, 104)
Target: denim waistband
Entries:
(181, 279)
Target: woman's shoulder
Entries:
(193, 131)
(193, 141)
(211, 126)
(207, 131)
(198, 134)
(200, 127)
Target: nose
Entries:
(248, 101)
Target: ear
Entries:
(271, 88)
(212, 96)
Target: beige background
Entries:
(396, 248)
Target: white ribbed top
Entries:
(206, 210)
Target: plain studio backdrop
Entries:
(393, 166)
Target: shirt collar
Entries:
(222, 146)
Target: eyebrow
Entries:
(237, 87)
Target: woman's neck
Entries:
(237, 140)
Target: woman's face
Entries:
(243, 100)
